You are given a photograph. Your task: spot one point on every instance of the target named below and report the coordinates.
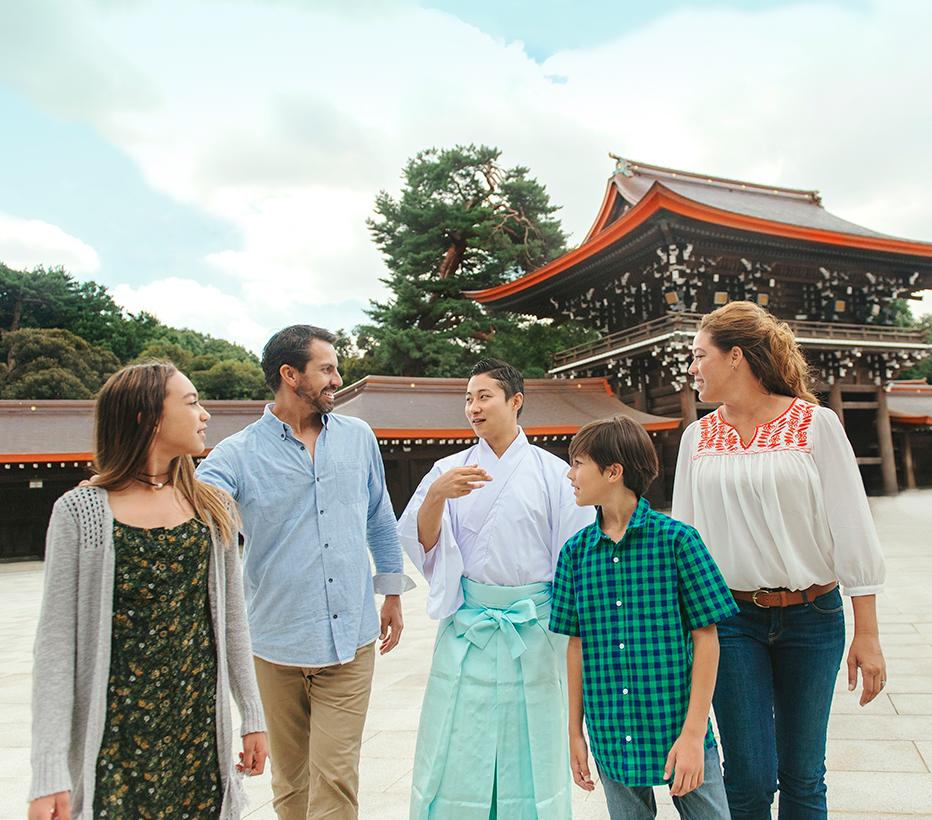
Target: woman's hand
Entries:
(865, 654)
(255, 751)
(55, 806)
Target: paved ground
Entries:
(879, 758)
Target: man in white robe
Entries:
(485, 528)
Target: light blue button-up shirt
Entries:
(307, 521)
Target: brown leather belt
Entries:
(766, 598)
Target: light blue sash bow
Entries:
(480, 624)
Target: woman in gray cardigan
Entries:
(142, 634)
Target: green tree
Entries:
(353, 363)
(46, 298)
(202, 344)
(231, 379)
(462, 222)
(36, 298)
(161, 350)
(52, 364)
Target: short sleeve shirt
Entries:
(633, 603)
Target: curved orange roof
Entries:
(661, 198)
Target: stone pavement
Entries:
(879, 758)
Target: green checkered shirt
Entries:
(634, 604)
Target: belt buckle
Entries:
(756, 602)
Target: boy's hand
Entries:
(687, 759)
(579, 762)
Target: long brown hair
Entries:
(129, 407)
(771, 349)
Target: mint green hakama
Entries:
(492, 740)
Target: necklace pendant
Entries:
(158, 485)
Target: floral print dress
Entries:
(159, 757)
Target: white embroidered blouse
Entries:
(787, 509)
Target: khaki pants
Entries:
(315, 718)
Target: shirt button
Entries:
(621, 646)
(615, 560)
(627, 738)
(617, 603)
(321, 512)
(624, 691)
(326, 546)
(330, 580)
(334, 617)
(283, 436)
(317, 480)
(302, 446)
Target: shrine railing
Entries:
(809, 334)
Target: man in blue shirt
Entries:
(311, 491)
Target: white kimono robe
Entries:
(507, 533)
(492, 738)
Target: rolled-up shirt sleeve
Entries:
(382, 531)
(858, 557)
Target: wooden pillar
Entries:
(835, 402)
(909, 469)
(688, 405)
(640, 400)
(885, 443)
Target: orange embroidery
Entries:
(788, 431)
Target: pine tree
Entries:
(462, 222)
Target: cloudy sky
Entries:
(215, 162)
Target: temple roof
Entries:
(63, 430)
(638, 196)
(400, 407)
(787, 205)
(909, 402)
(394, 406)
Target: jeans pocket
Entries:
(828, 604)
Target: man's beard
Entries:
(319, 402)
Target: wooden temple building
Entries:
(668, 246)
(46, 446)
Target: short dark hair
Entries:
(619, 440)
(291, 346)
(508, 377)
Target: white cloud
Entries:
(28, 243)
(186, 303)
(286, 119)
(246, 316)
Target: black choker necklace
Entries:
(156, 484)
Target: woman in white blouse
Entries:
(771, 483)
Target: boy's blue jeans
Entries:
(637, 802)
(776, 677)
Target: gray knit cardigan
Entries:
(72, 654)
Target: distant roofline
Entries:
(722, 182)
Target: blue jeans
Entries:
(637, 802)
(776, 676)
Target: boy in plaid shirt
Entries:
(639, 595)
